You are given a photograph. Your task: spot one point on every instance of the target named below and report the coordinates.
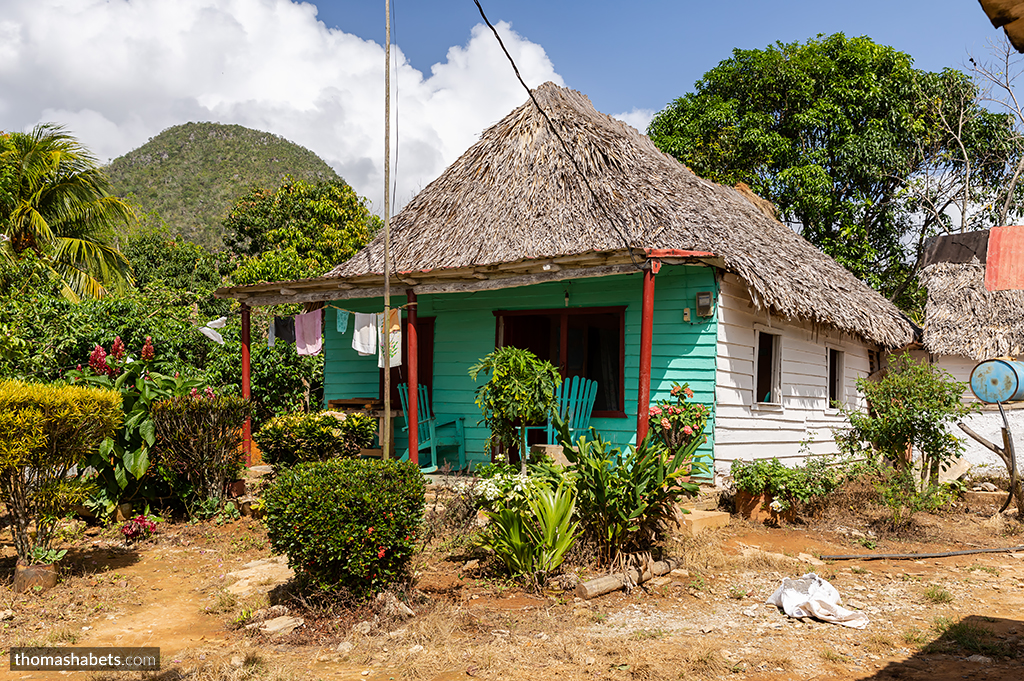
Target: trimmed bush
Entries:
(296, 438)
(199, 438)
(44, 431)
(346, 523)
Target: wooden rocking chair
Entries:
(575, 397)
(434, 431)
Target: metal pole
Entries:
(413, 363)
(643, 393)
(386, 426)
(247, 427)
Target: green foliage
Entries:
(842, 135)
(532, 541)
(347, 523)
(913, 405)
(123, 464)
(192, 174)
(45, 430)
(900, 494)
(162, 261)
(297, 438)
(623, 496)
(814, 479)
(299, 230)
(41, 556)
(521, 389)
(678, 423)
(200, 441)
(59, 207)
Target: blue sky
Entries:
(644, 53)
(117, 72)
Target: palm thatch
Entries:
(966, 319)
(1008, 14)
(515, 196)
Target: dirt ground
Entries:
(940, 619)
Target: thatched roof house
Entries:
(964, 318)
(516, 244)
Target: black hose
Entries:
(915, 556)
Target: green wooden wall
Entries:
(465, 330)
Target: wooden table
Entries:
(374, 408)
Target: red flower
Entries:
(117, 349)
(380, 554)
(147, 349)
(689, 393)
(655, 411)
(687, 430)
(665, 424)
(675, 391)
(98, 360)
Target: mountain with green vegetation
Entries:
(192, 174)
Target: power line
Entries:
(554, 130)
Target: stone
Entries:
(809, 559)
(542, 636)
(751, 611)
(392, 607)
(589, 661)
(979, 658)
(363, 628)
(237, 661)
(345, 647)
(470, 564)
(6, 615)
(260, 575)
(695, 522)
(988, 487)
(855, 604)
(281, 625)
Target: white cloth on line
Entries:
(394, 342)
(812, 596)
(364, 335)
(217, 323)
(211, 334)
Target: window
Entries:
(588, 342)
(836, 359)
(767, 368)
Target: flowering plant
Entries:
(139, 527)
(679, 423)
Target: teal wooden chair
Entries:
(434, 431)
(575, 399)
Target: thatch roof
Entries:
(1008, 14)
(963, 318)
(515, 196)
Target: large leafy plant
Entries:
(122, 466)
(532, 541)
(624, 495)
(521, 390)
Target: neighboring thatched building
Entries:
(510, 246)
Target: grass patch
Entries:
(914, 636)
(984, 568)
(937, 595)
(705, 661)
(833, 656)
(966, 636)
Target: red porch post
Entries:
(643, 393)
(412, 345)
(247, 428)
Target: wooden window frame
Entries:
(776, 388)
(563, 339)
(829, 379)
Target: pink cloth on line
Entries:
(308, 336)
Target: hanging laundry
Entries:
(342, 322)
(309, 333)
(217, 323)
(364, 337)
(284, 329)
(211, 334)
(271, 338)
(394, 342)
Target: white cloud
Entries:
(117, 72)
(638, 118)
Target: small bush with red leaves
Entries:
(346, 524)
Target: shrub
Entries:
(532, 541)
(123, 464)
(298, 438)
(521, 390)
(678, 423)
(200, 438)
(45, 430)
(346, 523)
(623, 496)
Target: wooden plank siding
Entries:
(745, 430)
(465, 331)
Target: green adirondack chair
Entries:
(575, 398)
(434, 431)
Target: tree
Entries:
(299, 230)
(58, 205)
(838, 133)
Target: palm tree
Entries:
(58, 205)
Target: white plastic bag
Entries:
(812, 596)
